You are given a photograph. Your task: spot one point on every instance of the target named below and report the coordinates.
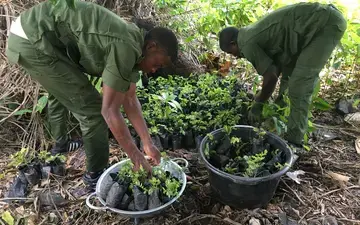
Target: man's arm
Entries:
(133, 111)
(112, 101)
(270, 78)
(132, 108)
(265, 66)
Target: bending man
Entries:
(296, 41)
(57, 47)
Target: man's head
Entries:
(228, 40)
(160, 49)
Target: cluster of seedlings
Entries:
(253, 157)
(131, 190)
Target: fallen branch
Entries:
(336, 190)
(294, 192)
(228, 220)
(336, 128)
(15, 199)
(349, 220)
(304, 216)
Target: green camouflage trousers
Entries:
(302, 77)
(69, 90)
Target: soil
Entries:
(328, 191)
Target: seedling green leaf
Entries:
(7, 217)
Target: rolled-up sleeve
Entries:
(258, 58)
(119, 68)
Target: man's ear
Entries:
(150, 45)
(233, 44)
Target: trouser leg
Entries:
(306, 74)
(73, 90)
(57, 116)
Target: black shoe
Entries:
(91, 178)
(70, 147)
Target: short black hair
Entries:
(166, 39)
(145, 24)
(226, 36)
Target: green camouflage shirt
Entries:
(279, 37)
(104, 43)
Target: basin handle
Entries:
(91, 206)
(176, 160)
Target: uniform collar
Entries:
(143, 33)
(240, 42)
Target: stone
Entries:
(329, 220)
(254, 221)
(325, 135)
(353, 118)
(344, 106)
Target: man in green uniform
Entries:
(56, 46)
(295, 41)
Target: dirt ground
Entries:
(328, 193)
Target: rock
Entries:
(50, 198)
(344, 106)
(53, 218)
(254, 221)
(325, 135)
(216, 208)
(329, 220)
(353, 118)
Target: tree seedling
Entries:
(146, 191)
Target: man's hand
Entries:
(138, 159)
(152, 151)
(255, 112)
